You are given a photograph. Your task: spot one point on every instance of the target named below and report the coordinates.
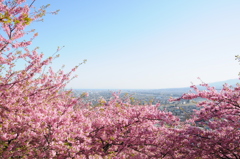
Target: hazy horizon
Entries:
(143, 44)
(232, 82)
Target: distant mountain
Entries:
(217, 85)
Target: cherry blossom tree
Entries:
(214, 130)
(36, 113)
(122, 130)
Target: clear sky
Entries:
(143, 44)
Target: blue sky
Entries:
(143, 44)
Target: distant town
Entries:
(183, 109)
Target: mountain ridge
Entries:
(217, 85)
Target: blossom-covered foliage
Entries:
(214, 130)
(124, 130)
(39, 119)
